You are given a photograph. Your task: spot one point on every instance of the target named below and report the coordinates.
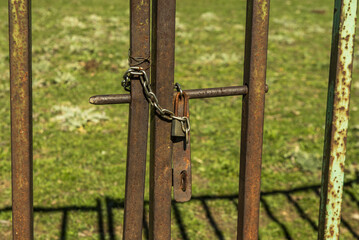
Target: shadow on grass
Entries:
(115, 204)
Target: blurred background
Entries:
(80, 49)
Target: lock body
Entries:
(177, 131)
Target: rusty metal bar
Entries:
(252, 118)
(340, 76)
(110, 99)
(21, 118)
(138, 121)
(163, 59)
(192, 94)
(216, 92)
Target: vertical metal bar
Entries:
(163, 55)
(21, 118)
(340, 77)
(252, 118)
(138, 121)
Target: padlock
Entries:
(177, 130)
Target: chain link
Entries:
(152, 98)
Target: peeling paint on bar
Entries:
(337, 118)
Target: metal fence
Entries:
(170, 166)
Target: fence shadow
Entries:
(112, 205)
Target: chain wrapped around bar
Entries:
(151, 97)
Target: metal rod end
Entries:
(92, 100)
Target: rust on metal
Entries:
(252, 118)
(162, 73)
(138, 122)
(181, 157)
(192, 94)
(340, 77)
(110, 99)
(216, 92)
(21, 118)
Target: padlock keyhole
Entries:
(183, 180)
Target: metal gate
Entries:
(170, 123)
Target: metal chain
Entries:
(152, 98)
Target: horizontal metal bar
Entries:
(217, 92)
(110, 99)
(192, 93)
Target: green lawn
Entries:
(80, 49)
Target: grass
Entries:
(80, 49)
